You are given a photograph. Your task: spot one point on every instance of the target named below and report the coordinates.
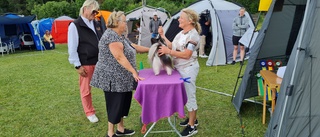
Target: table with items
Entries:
(160, 97)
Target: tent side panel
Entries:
(277, 36)
(226, 19)
(302, 114)
(60, 31)
(173, 29)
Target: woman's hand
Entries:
(136, 77)
(160, 31)
(163, 50)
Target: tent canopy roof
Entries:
(12, 18)
(147, 10)
(64, 18)
(200, 6)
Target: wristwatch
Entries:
(77, 67)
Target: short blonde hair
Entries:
(88, 3)
(194, 18)
(114, 19)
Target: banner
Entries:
(264, 5)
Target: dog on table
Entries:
(159, 62)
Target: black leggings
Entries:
(118, 105)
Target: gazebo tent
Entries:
(144, 14)
(297, 113)
(13, 26)
(222, 14)
(274, 42)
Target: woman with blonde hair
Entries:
(116, 72)
(183, 49)
(48, 40)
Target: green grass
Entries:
(39, 96)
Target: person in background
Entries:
(184, 53)
(205, 22)
(154, 24)
(138, 30)
(48, 40)
(116, 72)
(239, 26)
(84, 34)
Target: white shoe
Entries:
(93, 118)
(203, 56)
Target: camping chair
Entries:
(3, 47)
(11, 47)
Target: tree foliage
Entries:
(250, 5)
(56, 8)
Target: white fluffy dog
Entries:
(159, 62)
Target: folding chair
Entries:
(3, 47)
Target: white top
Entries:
(179, 44)
(139, 30)
(73, 41)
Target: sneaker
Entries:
(203, 56)
(127, 132)
(186, 122)
(188, 131)
(114, 135)
(93, 118)
(233, 62)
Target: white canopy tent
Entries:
(144, 14)
(222, 14)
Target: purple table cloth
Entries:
(160, 96)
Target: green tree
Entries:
(4, 6)
(15, 6)
(54, 9)
(123, 5)
(250, 5)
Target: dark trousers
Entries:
(47, 45)
(118, 105)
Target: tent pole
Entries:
(290, 86)
(241, 125)
(216, 46)
(235, 86)
(255, 27)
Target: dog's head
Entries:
(158, 39)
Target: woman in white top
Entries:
(183, 50)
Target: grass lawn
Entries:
(39, 96)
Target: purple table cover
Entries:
(160, 96)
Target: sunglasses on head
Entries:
(95, 12)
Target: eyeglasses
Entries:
(94, 12)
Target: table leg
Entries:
(174, 126)
(264, 104)
(150, 129)
(273, 103)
